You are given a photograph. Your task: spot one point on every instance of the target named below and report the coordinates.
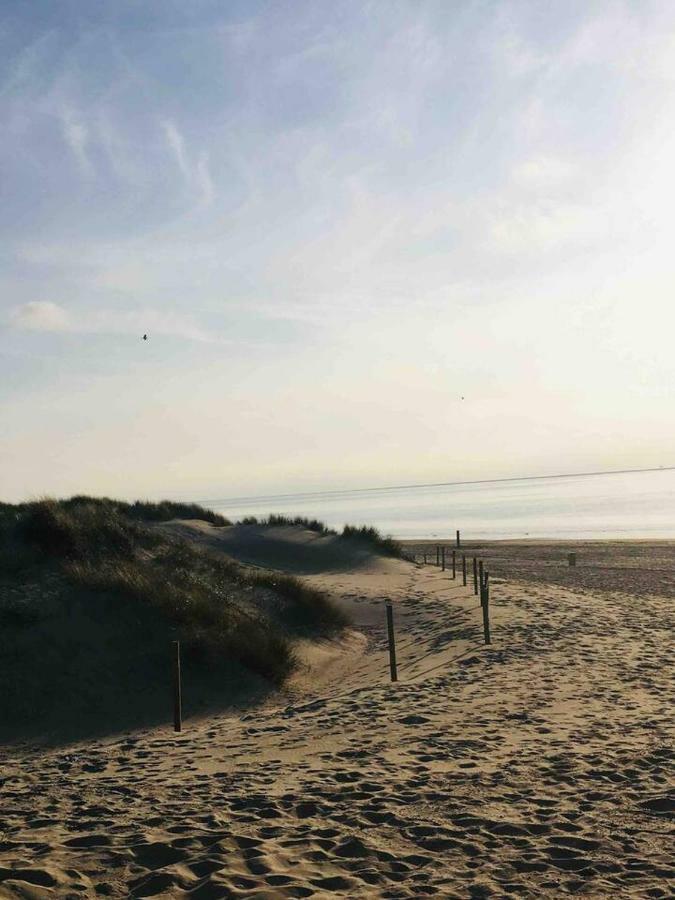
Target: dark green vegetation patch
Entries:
(86, 582)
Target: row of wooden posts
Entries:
(481, 584)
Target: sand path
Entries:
(538, 767)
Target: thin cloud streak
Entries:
(76, 136)
(196, 175)
(51, 317)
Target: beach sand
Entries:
(538, 766)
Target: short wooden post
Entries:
(464, 569)
(458, 537)
(425, 559)
(480, 580)
(177, 711)
(572, 559)
(438, 555)
(475, 575)
(392, 642)
(454, 564)
(485, 603)
(443, 558)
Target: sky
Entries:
(370, 242)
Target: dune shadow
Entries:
(290, 549)
(96, 665)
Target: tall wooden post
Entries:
(177, 711)
(486, 607)
(464, 569)
(475, 575)
(443, 558)
(438, 555)
(458, 537)
(480, 580)
(454, 564)
(392, 642)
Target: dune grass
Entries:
(276, 520)
(366, 534)
(151, 511)
(80, 529)
(219, 608)
(97, 525)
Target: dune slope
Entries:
(91, 600)
(538, 767)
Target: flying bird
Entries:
(145, 337)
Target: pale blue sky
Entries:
(334, 220)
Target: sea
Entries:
(629, 505)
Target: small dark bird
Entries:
(145, 337)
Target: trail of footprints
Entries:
(469, 784)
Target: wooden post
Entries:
(454, 564)
(475, 575)
(438, 555)
(485, 602)
(392, 642)
(443, 558)
(464, 569)
(458, 537)
(425, 559)
(177, 711)
(481, 577)
(572, 559)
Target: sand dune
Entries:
(540, 766)
(287, 548)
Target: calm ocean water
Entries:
(626, 505)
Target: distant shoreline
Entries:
(469, 542)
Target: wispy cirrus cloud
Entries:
(371, 187)
(77, 137)
(196, 174)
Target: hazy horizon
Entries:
(370, 244)
(601, 506)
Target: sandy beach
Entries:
(293, 296)
(538, 766)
